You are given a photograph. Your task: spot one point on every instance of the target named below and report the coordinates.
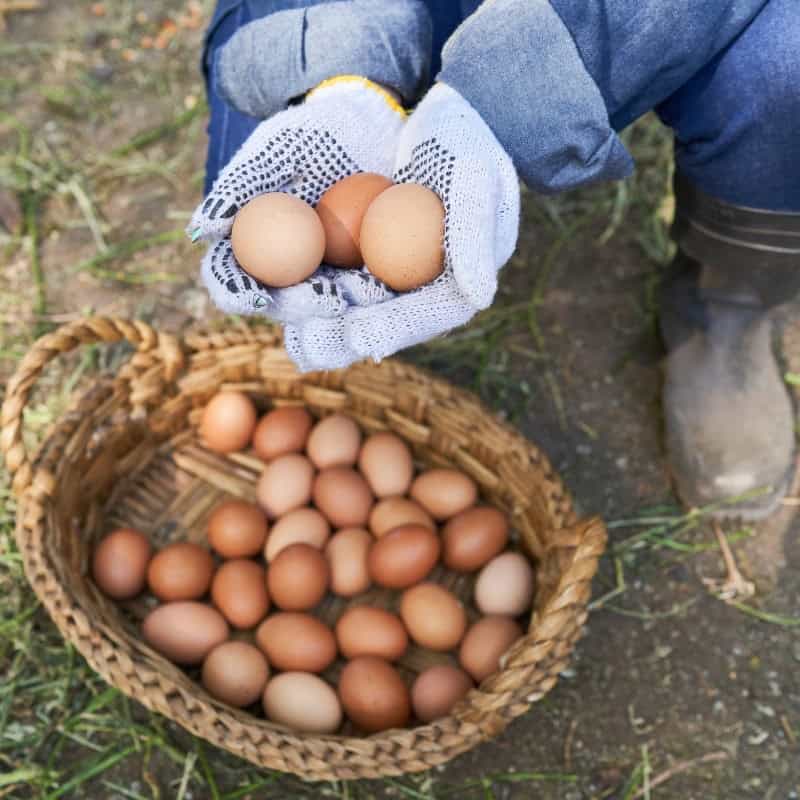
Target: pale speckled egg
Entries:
(302, 702)
(402, 236)
(278, 239)
(505, 585)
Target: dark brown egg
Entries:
(474, 537)
(239, 591)
(281, 431)
(237, 529)
(181, 571)
(119, 564)
(343, 496)
(295, 641)
(374, 695)
(298, 577)
(228, 421)
(403, 556)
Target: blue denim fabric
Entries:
(556, 80)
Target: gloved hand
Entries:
(447, 147)
(345, 125)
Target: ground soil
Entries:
(666, 672)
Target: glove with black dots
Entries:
(345, 125)
(447, 147)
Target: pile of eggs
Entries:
(396, 229)
(337, 515)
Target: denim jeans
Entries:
(736, 118)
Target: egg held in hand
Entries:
(278, 239)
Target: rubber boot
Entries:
(729, 420)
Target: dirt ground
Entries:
(674, 694)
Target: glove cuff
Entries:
(359, 80)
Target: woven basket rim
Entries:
(161, 361)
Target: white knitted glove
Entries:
(447, 147)
(345, 125)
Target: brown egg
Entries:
(505, 585)
(181, 571)
(437, 690)
(303, 703)
(281, 431)
(343, 496)
(403, 556)
(433, 616)
(184, 632)
(334, 442)
(237, 529)
(402, 236)
(347, 554)
(373, 694)
(484, 644)
(301, 525)
(386, 462)
(228, 421)
(443, 493)
(294, 641)
(119, 563)
(278, 239)
(285, 484)
(239, 591)
(298, 577)
(392, 512)
(366, 631)
(341, 210)
(236, 673)
(474, 537)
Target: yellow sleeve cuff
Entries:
(366, 83)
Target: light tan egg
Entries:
(285, 484)
(305, 525)
(392, 512)
(505, 585)
(433, 616)
(347, 553)
(443, 493)
(343, 496)
(334, 442)
(228, 422)
(302, 702)
(385, 461)
(281, 431)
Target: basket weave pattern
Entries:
(127, 452)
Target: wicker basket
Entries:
(126, 452)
